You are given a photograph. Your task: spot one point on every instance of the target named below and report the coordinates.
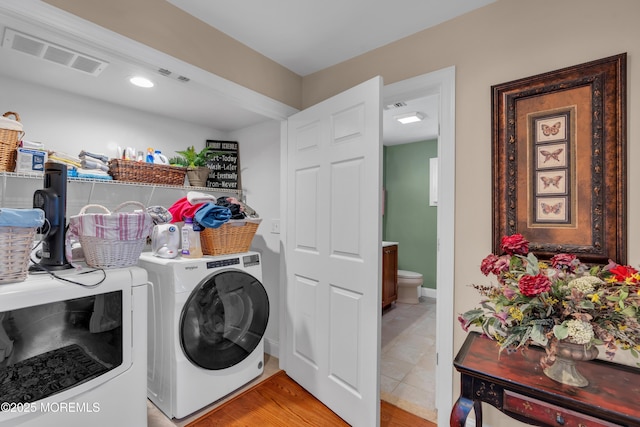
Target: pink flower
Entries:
(531, 286)
(463, 323)
(501, 265)
(508, 292)
(515, 244)
(564, 262)
(502, 316)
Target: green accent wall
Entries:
(408, 219)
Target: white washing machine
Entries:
(207, 319)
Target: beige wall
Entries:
(162, 26)
(507, 40)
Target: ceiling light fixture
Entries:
(409, 117)
(141, 81)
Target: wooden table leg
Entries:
(477, 408)
(461, 410)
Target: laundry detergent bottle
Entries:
(190, 240)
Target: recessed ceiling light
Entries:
(141, 81)
(409, 117)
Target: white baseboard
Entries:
(428, 292)
(272, 347)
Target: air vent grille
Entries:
(172, 75)
(395, 105)
(60, 55)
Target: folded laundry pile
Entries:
(10, 217)
(86, 165)
(94, 161)
(207, 210)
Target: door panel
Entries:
(332, 252)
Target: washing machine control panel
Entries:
(223, 263)
(250, 260)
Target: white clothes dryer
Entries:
(207, 318)
(73, 350)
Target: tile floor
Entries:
(408, 359)
(407, 377)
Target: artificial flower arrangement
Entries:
(540, 302)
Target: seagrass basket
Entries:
(15, 250)
(150, 173)
(10, 135)
(232, 237)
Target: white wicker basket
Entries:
(113, 251)
(15, 249)
(101, 253)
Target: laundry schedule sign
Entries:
(224, 165)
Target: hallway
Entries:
(408, 357)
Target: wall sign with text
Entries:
(224, 165)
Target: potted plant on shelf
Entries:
(196, 164)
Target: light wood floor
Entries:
(281, 402)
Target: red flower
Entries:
(624, 272)
(487, 264)
(564, 262)
(514, 245)
(531, 286)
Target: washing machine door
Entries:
(224, 319)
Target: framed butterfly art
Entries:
(559, 161)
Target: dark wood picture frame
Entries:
(559, 161)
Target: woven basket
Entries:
(232, 237)
(151, 173)
(100, 252)
(9, 140)
(15, 250)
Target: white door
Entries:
(333, 252)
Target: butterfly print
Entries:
(551, 155)
(555, 181)
(551, 130)
(551, 209)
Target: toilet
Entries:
(409, 284)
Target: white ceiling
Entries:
(302, 36)
(308, 36)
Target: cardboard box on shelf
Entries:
(30, 161)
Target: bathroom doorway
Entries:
(442, 84)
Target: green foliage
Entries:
(191, 158)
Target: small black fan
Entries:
(52, 199)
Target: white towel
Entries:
(196, 197)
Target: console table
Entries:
(515, 384)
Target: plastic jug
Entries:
(165, 241)
(159, 158)
(190, 240)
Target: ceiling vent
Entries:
(395, 105)
(60, 55)
(170, 74)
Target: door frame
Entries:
(442, 83)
